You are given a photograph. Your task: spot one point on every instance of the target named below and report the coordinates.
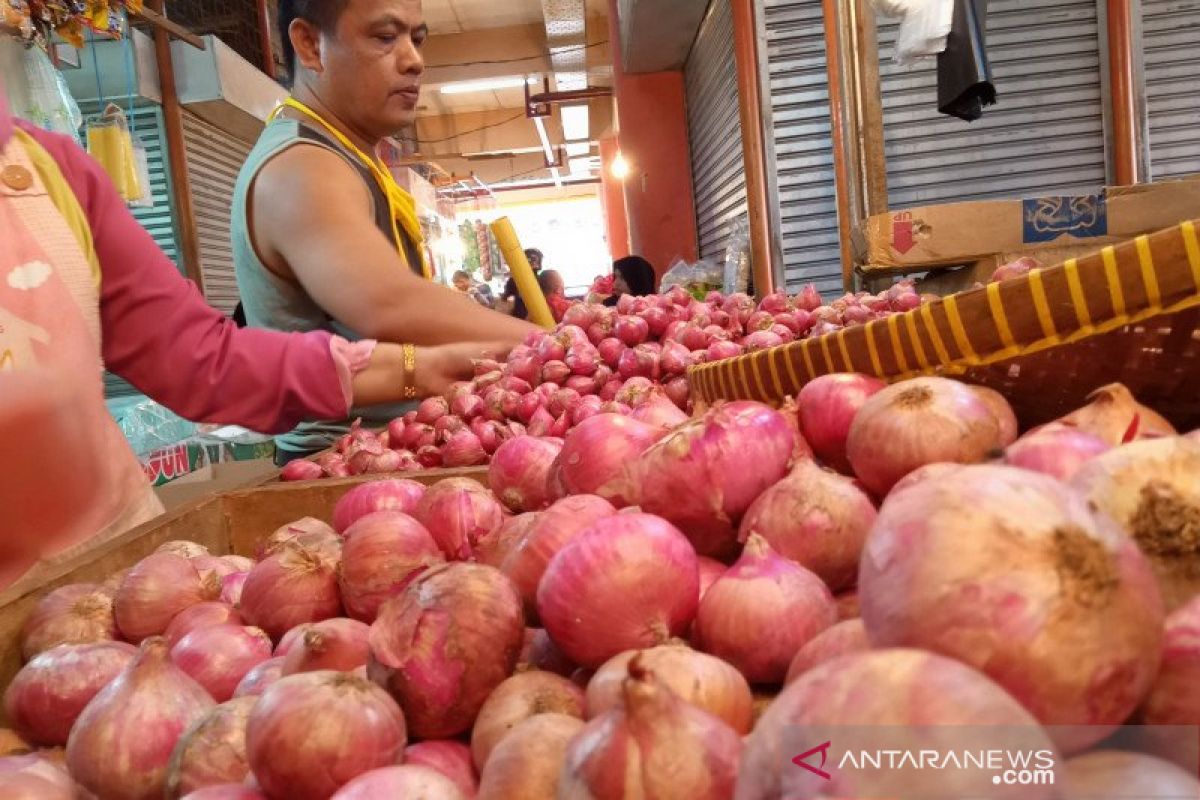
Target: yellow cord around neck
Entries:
(401, 205)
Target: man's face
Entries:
(373, 64)
(535, 261)
(462, 284)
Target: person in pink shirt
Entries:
(84, 288)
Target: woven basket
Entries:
(1128, 313)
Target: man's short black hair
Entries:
(322, 13)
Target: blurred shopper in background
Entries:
(631, 275)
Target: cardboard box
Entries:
(216, 478)
(965, 233)
(951, 280)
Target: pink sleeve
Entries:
(162, 337)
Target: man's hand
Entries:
(439, 367)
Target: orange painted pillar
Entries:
(612, 197)
(653, 139)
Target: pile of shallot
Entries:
(647, 606)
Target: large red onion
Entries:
(218, 656)
(554, 529)
(293, 586)
(458, 512)
(231, 587)
(212, 752)
(704, 681)
(155, 590)
(528, 761)
(652, 745)
(495, 546)
(519, 471)
(1055, 450)
(401, 782)
(817, 518)
(1174, 697)
(464, 449)
(443, 645)
(201, 615)
(1006, 418)
(312, 733)
(387, 495)
(449, 757)
(1113, 414)
(597, 454)
(309, 532)
(121, 743)
(760, 613)
(339, 644)
(384, 551)
(1152, 489)
(660, 412)
(942, 698)
(50, 692)
(81, 613)
(30, 777)
(258, 679)
(705, 475)
(520, 697)
(628, 582)
(844, 638)
(1117, 773)
(918, 422)
(1011, 572)
(828, 406)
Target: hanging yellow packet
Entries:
(109, 142)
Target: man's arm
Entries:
(310, 210)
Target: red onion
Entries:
(226, 791)
(704, 681)
(897, 688)
(458, 512)
(693, 338)
(679, 391)
(218, 656)
(492, 548)
(121, 743)
(467, 407)
(231, 587)
(519, 470)
(1015, 269)
(401, 782)
(761, 340)
(596, 455)
(551, 348)
(80, 613)
(641, 361)
(1151, 489)
(309, 533)
(560, 426)
(183, 548)
(292, 586)
(312, 733)
(212, 752)
(443, 645)
(761, 612)
(541, 421)
(526, 366)
(301, 470)
(660, 412)
(239, 563)
(583, 360)
(1113, 414)
(1117, 773)
(815, 517)
(918, 422)
(657, 320)
(369, 458)
(485, 380)
(626, 752)
(580, 315)
(417, 435)
(155, 590)
(1173, 698)
(339, 644)
(563, 401)
(759, 321)
(705, 475)
(432, 409)
(632, 330)
(528, 761)
(555, 372)
(430, 456)
(1005, 416)
(463, 450)
(50, 692)
(844, 638)
(201, 615)
(540, 652)
(610, 351)
(629, 581)
(385, 495)
(384, 551)
(710, 570)
(588, 407)
(809, 298)
(258, 679)
(1011, 572)
(828, 406)
(333, 465)
(30, 777)
(582, 384)
(1057, 451)
(517, 699)
(447, 757)
(675, 359)
(550, 533)
(291, 639)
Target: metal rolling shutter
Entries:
(718, 174)
(1045, 135)
(1170, 43)
(214, 160)
(803, 150)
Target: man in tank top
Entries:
(322, 236)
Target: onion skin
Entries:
(703, 477)
(12, 744)
(1056, 450)
(121, 743)
(219, 656)
(231, 587)
(458, 512)
(384, 551)
(527, 762)
(291, 587)
(201, 615)
(310, 533)
(212, 752)
(628, 582)
(155, 590)
(1005, 416)
(80, 613)
(518, 698)
(844, 638)
(597, 455)
(540, 652)
(401, 782)
(50, 692)
(705, 681)
(1011, 572)
(1173, 698)
(817, 518)
(450, 758)
(918, 422)
(827, 406)
(183, 548)
(760, 613)
(1113, 414)
(887, 688)
(710, 570)
(258, 679)
(495, 546)
(312, 733)
(519, 470)
(445, 644)
(1152, 490)
(1115, 773)
(387, 495)
(226, 792)
(653, 745)
(336, 644)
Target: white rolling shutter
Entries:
(1171, 48)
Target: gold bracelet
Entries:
(410, 372)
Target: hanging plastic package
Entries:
(37, 91)
(110, 143)
(141, 161)
(737, 258)
(964, 73)
(925, 27)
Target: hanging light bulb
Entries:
(620, 167)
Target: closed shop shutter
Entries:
(1171, 44)
(714, 127)
(214, 160)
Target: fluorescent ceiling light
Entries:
(576, 149)
(540, 124)
(575, 123)
(490, 85)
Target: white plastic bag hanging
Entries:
(925, 27)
